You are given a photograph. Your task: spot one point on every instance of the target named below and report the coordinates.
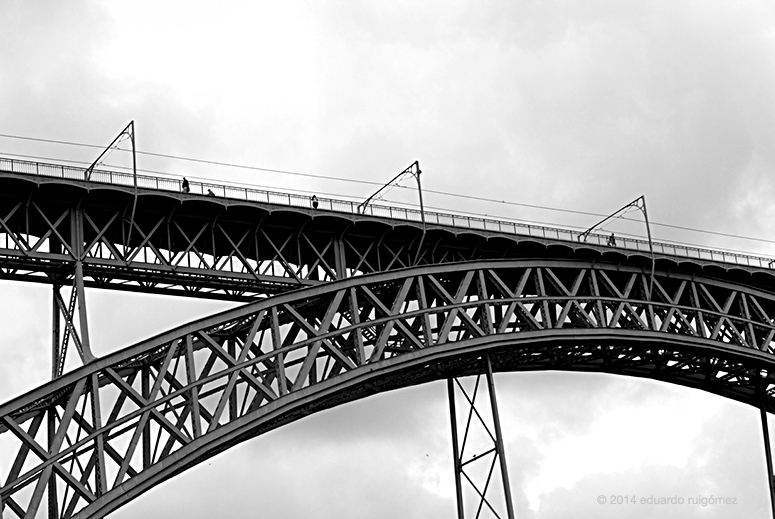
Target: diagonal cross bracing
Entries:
(122, 423)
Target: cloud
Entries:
(26, 351)
(726, 451)
(58, 85)
(378, 457)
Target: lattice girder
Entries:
(199, 246)
(104, 433)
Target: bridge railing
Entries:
(398, 213)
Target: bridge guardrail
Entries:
(413, 215)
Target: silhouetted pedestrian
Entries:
(210, 192)
(314, 202)
(184, 186)
(612, 240)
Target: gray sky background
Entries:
(581, 105)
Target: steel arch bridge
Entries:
(105, 433)
(356, 300)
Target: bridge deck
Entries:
(174, 240)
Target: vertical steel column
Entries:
(53, 501)
(145, 387)
(82, 320)
(53, 504)
(768, 454)
(78, 246)
(61, 338)
(101, 485)
(497, 450)
(455, 448)
(231, 347)
(55, 329)
(339, 258)
(499, 440)
(422, 213)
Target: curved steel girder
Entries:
(125, 422)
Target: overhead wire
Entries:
(462, 212)
(576, 227)
(587, 213)
(121, 138)
(620, 216)
(416, 207)
(204, 161)
(306, 192)
(309, 175)
(190, 177)
(367, 182)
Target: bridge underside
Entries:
(100, 436)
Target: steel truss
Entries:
(175, 243)
(97, 437)
(200, 247)
(68, 232)
(69, 322)
(465, 465)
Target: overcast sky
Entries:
(581, 105)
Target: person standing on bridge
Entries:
(184, 186)
(314, 202)
(612, 240)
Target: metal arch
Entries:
(126, 422)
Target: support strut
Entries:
(413, 170)
(75, 324)
(73, 327)
(499, 440)
(768, 455)
(465, 464)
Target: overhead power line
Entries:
(309, 175)
(203, 161)
(367, 182)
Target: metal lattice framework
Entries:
(99, 436)
(77, 229)
(476, 469)
(244, 244)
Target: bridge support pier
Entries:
(768, 455)
(55, 331)
(464, 463)
(53, 501)
(79, 332)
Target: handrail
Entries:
(224, 190)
